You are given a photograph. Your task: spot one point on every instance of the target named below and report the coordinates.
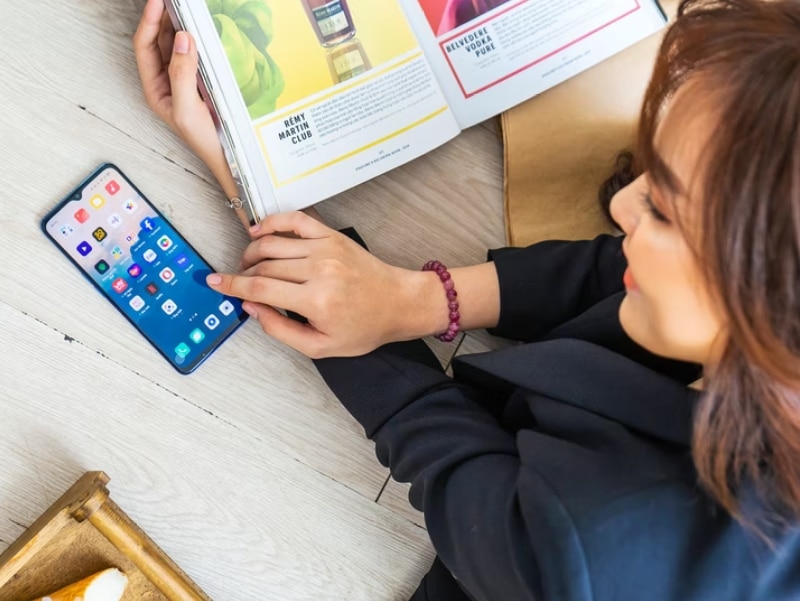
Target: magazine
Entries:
(313, 97)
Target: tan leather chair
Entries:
(561, 145)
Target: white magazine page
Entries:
(322, 94)
(490, 55)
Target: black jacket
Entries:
(558, 469)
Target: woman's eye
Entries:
(658, 215)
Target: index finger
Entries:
(266, 291)
(145, 46)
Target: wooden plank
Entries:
(236, 446)
(73, 99)
(395, 498)
(243, 518)
(254, 382)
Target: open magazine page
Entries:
(321, 95)
(490, 55)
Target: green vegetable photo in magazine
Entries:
(245, 28)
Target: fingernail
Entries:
(181, 42)
(250, 310)
(214, 280)
(255, 228)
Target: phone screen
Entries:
(144, 267)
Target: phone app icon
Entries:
(131, 238)
(135, 270)
(84, 248)
(169, 307)
(112, 187)
(130, 206)
(151, 288)
(66, 231)
(164, 243)
(99, 234)
(226, 308)
(97, 201)
(167, 275)
(211, 322)
(82, 216)
(148, 225)
(150, 255)
(181, 260)
(116, 252)
(197, 336)
(137, 303)
(114, 220)
(101, 267)
(182, 350)
(119, 285)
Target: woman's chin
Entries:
(634, 323)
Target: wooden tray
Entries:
(85, 532)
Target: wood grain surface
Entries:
(248, 474)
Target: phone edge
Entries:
(69, 197)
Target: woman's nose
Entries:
(626, 207)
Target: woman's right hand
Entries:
(354, 302)
(168, 64)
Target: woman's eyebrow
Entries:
(664, 177)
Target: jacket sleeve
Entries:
(546, 284)
(463, 466)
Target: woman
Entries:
(582, 464)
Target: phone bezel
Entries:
(75, 195)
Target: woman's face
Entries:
(668, 308)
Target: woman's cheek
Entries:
(682, 324)
(646, 311)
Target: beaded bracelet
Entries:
(452, 304)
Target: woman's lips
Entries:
(630, 283)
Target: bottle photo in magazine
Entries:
(347, 60)
(284, 51)
(332, 21)
(446, 15)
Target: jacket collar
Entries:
(594, 378)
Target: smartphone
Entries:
(140, 263)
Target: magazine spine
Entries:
(206, 89)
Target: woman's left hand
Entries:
(168, 64)
(353, 301)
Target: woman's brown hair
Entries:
(743, 56)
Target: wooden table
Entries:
(248, 474)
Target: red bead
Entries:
(455, 316)
(444, 276)
(449, 285)
(453, 306)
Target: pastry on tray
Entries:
(108, 585)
